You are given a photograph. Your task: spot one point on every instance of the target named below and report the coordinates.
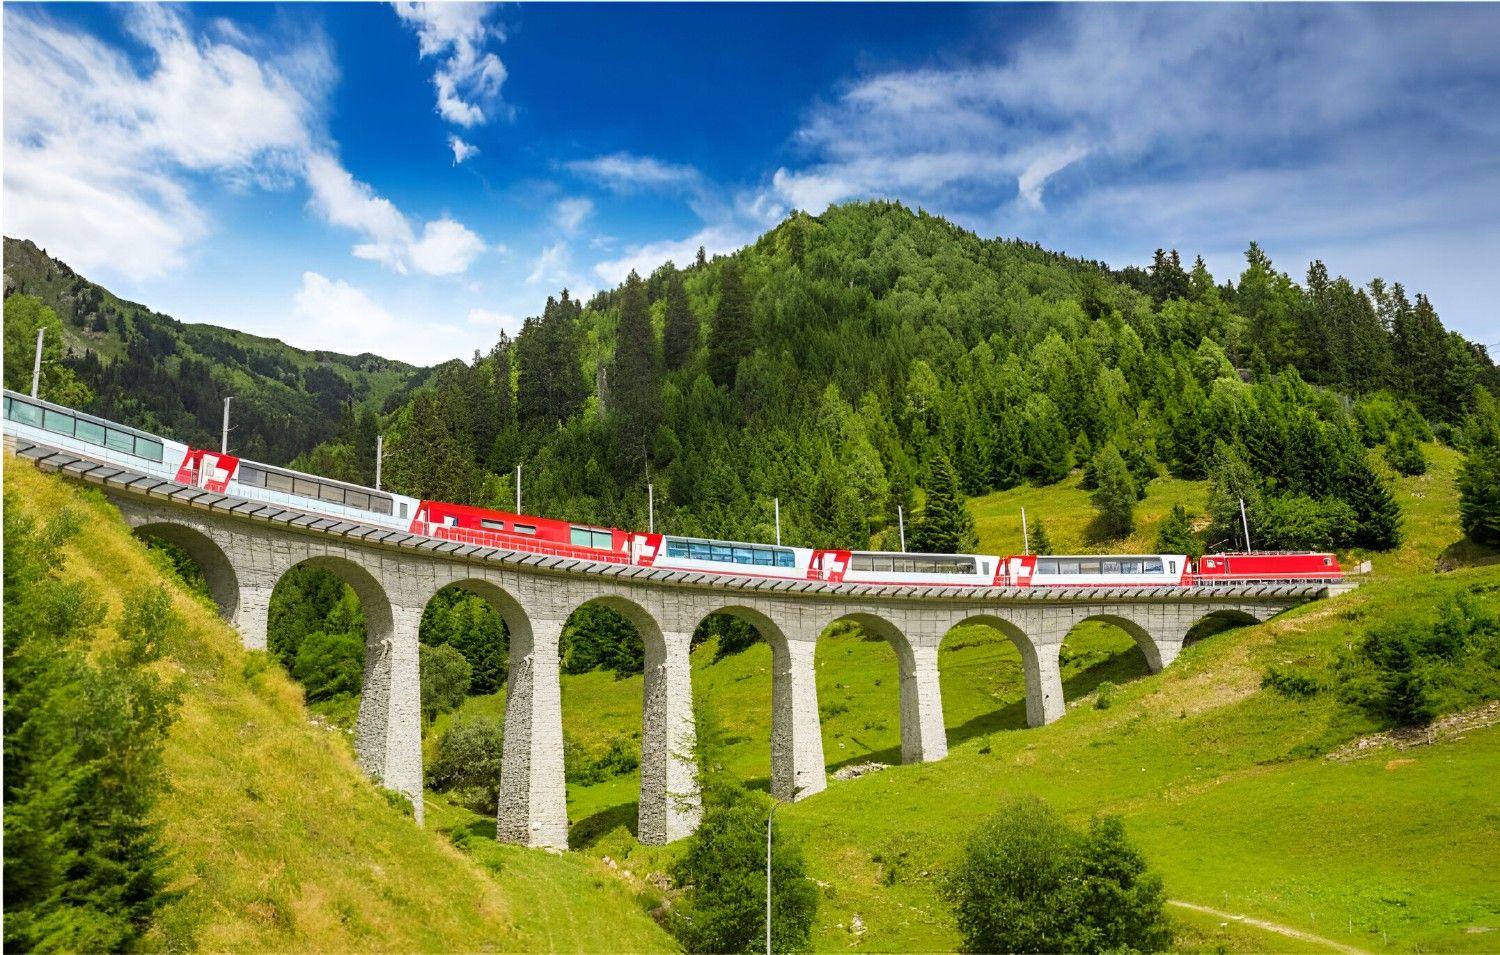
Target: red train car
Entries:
(1268, 566)
(525, 532)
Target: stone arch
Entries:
(1039, 668)
(1144, 639)
(218, 571)
(797, 768)
(919, 696)
(1220, 619)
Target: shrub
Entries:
(1404, 454)
(723, 874)
(468, 762)
(445, 679)
(1104, 695)
(1290, 683)
(1176, 534)
(329, 665)
(1408, 671)
(84, 732)
(582, 767)
(1115, 496)
(1298, 522)
(1028, 882)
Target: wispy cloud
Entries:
(624, 172)
(468, 77)
(569, 214)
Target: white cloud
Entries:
(101, 158)
(332, 314)
(624, 172)
(98, 155)
(569, 214)
(500, 321)
(1039, 170)
(644, 259)
(553, 264)
(468, 77)
(446, 248)
(461, 150)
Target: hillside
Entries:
(154, 372)
(277, 842)
(1224, 784)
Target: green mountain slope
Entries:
(278, 843)
(154, 372)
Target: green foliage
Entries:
(946, 526)
(584, 768)
(680, 330)
(329, 665)
(635, 380)
(1041, 544)
(1175, 536)
(84, 733)
(1404, 455)
(1292, 684)
(598, 638)
(1408, 671)
(24, 315)
(445, 678)
(1232, 482)
(468, 762)
(1114, 496)
(1027, 882)
(1104, 695)
(468, 623)
(1297, 522)
(731, 339)
(723, 872)
(309, 599)
(1479, 495)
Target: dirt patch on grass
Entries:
(1409, 737)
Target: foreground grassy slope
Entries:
(278, 842)
(1223, 784)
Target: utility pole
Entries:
(776, 502)
(650, 509)
(518, 489)
(36, 366)
(1025, 535)
(1245, 522)
(379, 449)
(224, 439)
(901, 526)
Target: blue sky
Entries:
(409, 179)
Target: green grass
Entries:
(1222, 784)
(279, 843)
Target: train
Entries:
(110, 442)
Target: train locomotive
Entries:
(109, 442)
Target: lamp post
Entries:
(901, 526)
(36, 366)
(224, 438)
(379, 449)
(776, 503)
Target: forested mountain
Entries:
(843, 360)
(146, 369)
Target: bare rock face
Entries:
(856, 770)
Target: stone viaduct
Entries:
(244, 547)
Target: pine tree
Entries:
(946, 526)
(636, 379)
(1404, 454)
(1041, 544)
(680, 331)
(731, 338)
(1115, 497)
(1479, 495)
(1232, 481)
(1176, 534)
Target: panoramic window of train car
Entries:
(729, 553)
(590, 537)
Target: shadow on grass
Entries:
(1465, 553)
(590, 829)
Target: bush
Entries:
(582, 767)
(329, 665)
(1115, 496)
(445, 679)
(1298, 522)
(1406, 672)
(723, 874)
(1176, 534)
(468, 763)
(1028, 882)
(1404, 454)
(1104, 695)
(84, 733)
(1290, 683)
